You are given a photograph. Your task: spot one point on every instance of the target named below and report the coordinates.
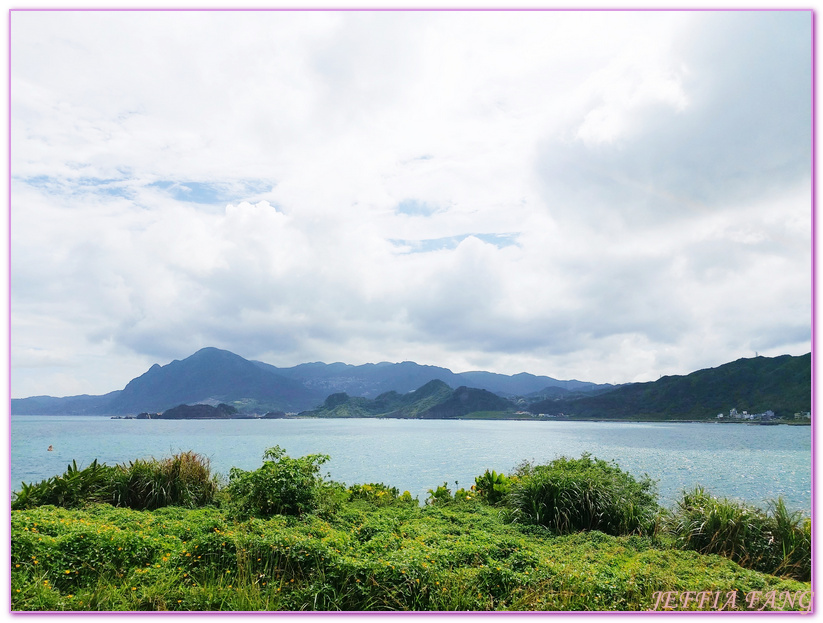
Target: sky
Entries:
(609, 196)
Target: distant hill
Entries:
(435, 399)
(71, 405)
(212, 376)
(209, 376)
(198, 412)
(372, 379)
(780, 384)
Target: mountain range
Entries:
(779, 384)
(212, 376)
(434, 400)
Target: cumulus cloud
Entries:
(607, 196)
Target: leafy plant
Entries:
(183, 480)
(71, 490)
(492, 487)
(282, 486)
(379, 494)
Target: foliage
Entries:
(284, 538)
(396, 557)
(443, 495)
(74, 488)
(282, 486)
(778, 542)
(380, 494)
(183, 480)
(569, 495)
(492, 487)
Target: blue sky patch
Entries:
(114, 187)
(212, 192)
(451, 242)
(413, 207)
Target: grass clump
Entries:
(777, 542)
(183, 479)
(570, 495)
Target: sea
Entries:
(752, 463)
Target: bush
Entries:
(777, 543)
(181, 480)
(73, 489)
(443, 495)
(492, 487)
(380, 494)
(282, 486)
(571, 495)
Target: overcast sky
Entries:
(606, 196)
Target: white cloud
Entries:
(610, 189)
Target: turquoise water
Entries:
(753, 463)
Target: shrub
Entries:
(443, 495)
(73, 489)
(777, 543)
(282, 486)
(571, 495)
(492, 487)
(379, 494)
(181, 480)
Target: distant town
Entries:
(766, 416)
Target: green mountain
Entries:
(435, 399)
(780, 384)
(198, 412)
(213, 376)
(208, 376)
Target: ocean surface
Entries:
(749, 462)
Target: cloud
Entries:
(608, 196)
(739, 129)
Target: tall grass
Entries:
(777, 542)
(570, 495)
(181, 480)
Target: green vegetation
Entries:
(781, 384)
(572, 495)
(775, 542)
(283, 537)
(435, 399)
(282, 486)
(182, 480)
